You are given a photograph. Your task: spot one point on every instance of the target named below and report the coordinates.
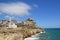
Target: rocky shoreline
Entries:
(33, 37)
(17, 34)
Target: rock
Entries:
(16, 37)
(26, 29)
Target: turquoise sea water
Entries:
(50, 34)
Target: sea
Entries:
(49, 34)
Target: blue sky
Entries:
(46, 13)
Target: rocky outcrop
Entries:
(29, 24)
(25, 29)
(17, 33)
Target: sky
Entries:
(46, 13)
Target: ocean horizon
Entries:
(50, 34)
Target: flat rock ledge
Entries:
(17, 33)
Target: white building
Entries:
(12, 25)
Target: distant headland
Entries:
(13, 30)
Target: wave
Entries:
(34, 37)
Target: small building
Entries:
(12, 25)
(8, 24)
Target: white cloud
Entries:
(35, 5)
(18, 8)
(8, 17)
(0, 13)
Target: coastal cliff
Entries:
(17, 34)
(24, 30)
